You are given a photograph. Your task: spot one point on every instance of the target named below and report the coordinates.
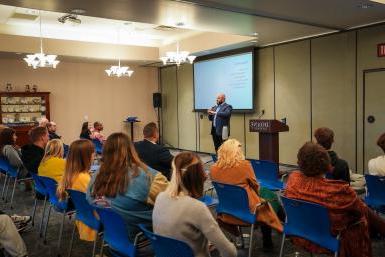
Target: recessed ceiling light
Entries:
(255, 34)
(180, 24)
(254, 41)
(78, 11)
(364, 5)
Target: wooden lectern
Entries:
(268, 137)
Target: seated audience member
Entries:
(32, 154)
(156, 156)
(179, 214)
(347, 212)
(376, 166)
(10, 239)
(43, 122)
(97, 132)
(126, 184)
(340, 171)
(232, 168)
(77, 177)
(52, 165)
(52, 131)
(85, 132)
(11, 152)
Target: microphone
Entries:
(261, 114)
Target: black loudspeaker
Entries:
(157, 100)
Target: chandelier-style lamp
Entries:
(177, 57)
(40, 59)
(119, 71)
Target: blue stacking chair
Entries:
(39, 188)
(309, 221)
(267, 174)
(375, 193)
(98, 146)
(208, 200)
(10, 172)
(115, 234)
(166, 246)
(59, 206)
(233, 200)
(85, 214)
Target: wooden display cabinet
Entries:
(22, 111)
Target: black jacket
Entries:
(156, 156)
(341, 167)
(31, 155)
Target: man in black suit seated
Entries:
(156, 156)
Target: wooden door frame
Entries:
(367, 71)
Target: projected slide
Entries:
(232, 75)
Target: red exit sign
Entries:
(381, 50)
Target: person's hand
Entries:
(211, 112)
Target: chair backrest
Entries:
(310, 221)
(166, 246)
(265, 170)
(84, 211)
(233, 200)
(7, 167)
(51, 187)
(98, 146)
(115, 232)
(39, 186)
(375, 188)
(214, 157)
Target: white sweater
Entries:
(189, 220)
(376, 166)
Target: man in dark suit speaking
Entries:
(220, 116)
(156, 156)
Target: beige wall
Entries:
(79, 89)
(312, 83)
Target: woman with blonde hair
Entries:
(179, 214)
(52, 165)
(232, 168)
(126, 184)
(77, 177)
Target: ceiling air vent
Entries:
(165, 28)
(24, 16)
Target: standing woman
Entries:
(77, 177)
(11, 152)
(126, 184)
(85, 133)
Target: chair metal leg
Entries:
(34, 212)
(94, 249)
(251, 240)
(13, 193)
(46, 225)
(282, 245)
(6, 190)
(72, 239)
(4, 186)
(61, 231)
(102, 248)
(42, 216)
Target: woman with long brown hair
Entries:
(77, 177)
(179, 214)
(125, 183)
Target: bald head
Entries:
(221, 98)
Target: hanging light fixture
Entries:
(41, 59)
(177, 57)
(119, 71)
